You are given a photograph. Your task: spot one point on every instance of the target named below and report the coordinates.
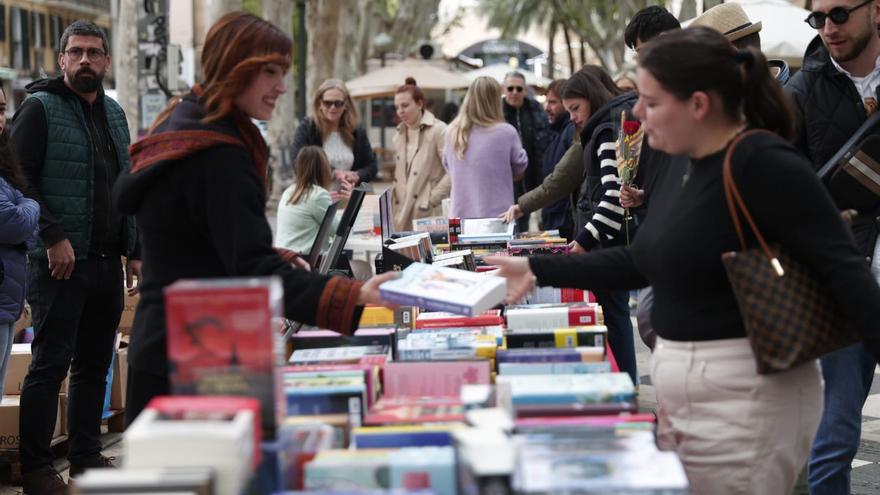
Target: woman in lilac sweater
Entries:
(483, 154)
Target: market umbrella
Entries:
(498, 71)
(385, 81)
(784, 34)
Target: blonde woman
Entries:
(420, 181)
(335, 126)
(483, 154)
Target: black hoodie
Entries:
(29, 135)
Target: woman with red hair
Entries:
(197, 187)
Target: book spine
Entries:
(553, 368)
(435, 354)
(559, 338)
(401, 440)
(502, 357)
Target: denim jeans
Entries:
(615, 308)
(5, 349)
(848, 375)
(75, 324)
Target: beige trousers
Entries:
(736, 432)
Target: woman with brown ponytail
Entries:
(198, 189)
(737, 432)
(420, 181)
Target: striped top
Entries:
(607, 220)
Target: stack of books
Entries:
(463, 259)
(417, 247)
(576, 462)
(566, 394)
(326, 393)
(585, 336)
(538, 244)
(218, 433)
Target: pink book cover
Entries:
(433, 378)
(602, 420)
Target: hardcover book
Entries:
(550, 316)
(444, 289)
(439, 319)
(564, 389)
(588, 336)
(415, 410)
(221, 341)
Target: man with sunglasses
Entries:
(72, 142)
(531, 122)
(835, 92)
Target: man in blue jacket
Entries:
(72, 142)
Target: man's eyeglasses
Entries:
(333, 103)
(94, 54)
(518, 89)
(838, 15)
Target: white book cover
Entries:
(334, 353)
(444, 289)
(486, 227)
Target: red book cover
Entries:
(221, 342)
(582, 315)
(414, 410)
(185, 407)
(450, 320)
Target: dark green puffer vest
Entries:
(67, 179)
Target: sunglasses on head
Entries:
(333, 103)
(518, 89)
(838, 15)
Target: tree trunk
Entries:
(345, 62)
(583, 50)
(280, 134)
(551, 50)
(218, 8)
(322, 25)
(125, 61)
(567, 37)
(688, 10)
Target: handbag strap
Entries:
(737, 206)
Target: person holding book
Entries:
(483, 154)
(420, 181)
(735, 431)
(19, 218)
(198, 188)
(303, 205)
(334, 125)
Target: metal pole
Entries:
(301, 80)
(382, 112)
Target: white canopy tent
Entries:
(385, 81)
(784, 34)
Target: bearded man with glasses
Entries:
(72, 142)
(836, 91)
(531, 123)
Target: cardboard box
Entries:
(120, 379)
(16, 370)
(9, 431)
(128, 309)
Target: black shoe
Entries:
(44, 481)
(96, 461)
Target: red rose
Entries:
(630, 127)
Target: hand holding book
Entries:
(369, 292)
(520, 279)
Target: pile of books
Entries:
(478, 399)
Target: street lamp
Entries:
(381, 43)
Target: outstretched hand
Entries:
(516, 269)
(512, 213)
(369, 293)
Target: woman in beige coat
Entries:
(420, 181)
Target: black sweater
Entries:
(203, 216)
(678, 249)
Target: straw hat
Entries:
(728, 18)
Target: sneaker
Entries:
(44, 481)
(96, 461)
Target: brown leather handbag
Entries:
(789, 317)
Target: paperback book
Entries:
(550, 316)
(221, 341)
(444, 289)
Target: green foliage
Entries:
(252, 6)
